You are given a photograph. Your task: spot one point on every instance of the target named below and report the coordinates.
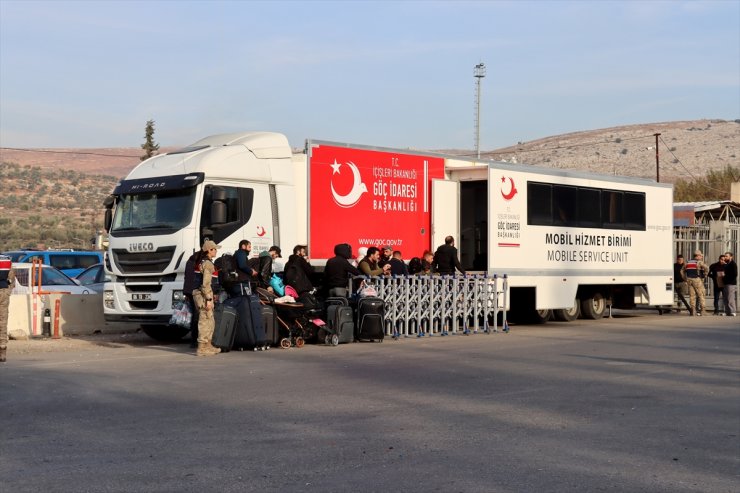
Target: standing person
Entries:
(398, 266)
(426, 262)
(716, 273)
(445, 258)
(339, 270)
(386, 253)
(696, 271)
(7, 283)
(369, 264)
(730, 289)
(203, 297)
(298, 270)
(244, 272)
(188, 286)
(679, 281)
(278, 266)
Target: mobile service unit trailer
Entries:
(252, 186)
(571, 243)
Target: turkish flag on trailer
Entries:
(370, 198)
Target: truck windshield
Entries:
(166, 210)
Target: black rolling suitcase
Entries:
(272, 333)
(225, 330)
(340, 321)
(250, 333)
(370, 319)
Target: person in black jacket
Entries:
(445, 258)
(298, 271)
(730, 289)
(338, 270)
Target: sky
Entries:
(378, 73)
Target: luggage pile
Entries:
(258, 321)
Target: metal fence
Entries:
(426, 305)
(713, 238)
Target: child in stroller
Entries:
(297, 322)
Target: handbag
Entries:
(182, 315)
(367, 291)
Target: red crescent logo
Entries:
(512, 192)
(260, 231)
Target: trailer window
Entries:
(564, 205)
(611, 209)
(589, 210)
(539, 204)
(634, 211)
(550, 204)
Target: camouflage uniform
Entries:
(696, 270)
(206, 321)
(7, 283)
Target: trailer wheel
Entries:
(593, 307)
(165, 333)
(568, 314)
(540, 316)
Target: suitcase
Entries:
(370, 319)
(272, 333)
(225, 330)
(340, 320)
(248, 334)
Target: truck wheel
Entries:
(568, 314)
(165, 333)
(593, 307)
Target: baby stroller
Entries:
(297, 322)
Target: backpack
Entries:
(191, 282)
(226, 267)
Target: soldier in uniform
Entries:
(7, 283)
(696, 270)
(203, 298)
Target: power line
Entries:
(571, 146)
(697, 181)
(51, 151)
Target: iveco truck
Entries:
(570, 243)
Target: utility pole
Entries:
(480, 72)
(657, 160)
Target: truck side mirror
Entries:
(108, 219)
(218, 212)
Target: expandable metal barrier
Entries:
(442, 305)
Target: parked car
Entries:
(17, 255)
(94, 278)
(68, 261)
(52, 280)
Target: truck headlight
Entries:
(177, 296)
(108, 300)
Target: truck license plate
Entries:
(141, 297)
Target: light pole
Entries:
(480, 72)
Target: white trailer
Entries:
(567, 241)
(570, 242)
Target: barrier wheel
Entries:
(299, 342)
(334, 340)
(285, 343)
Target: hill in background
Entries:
(53, 197)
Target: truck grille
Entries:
(143, 262)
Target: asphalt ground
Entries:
(637, 403)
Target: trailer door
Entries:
(445, 211)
